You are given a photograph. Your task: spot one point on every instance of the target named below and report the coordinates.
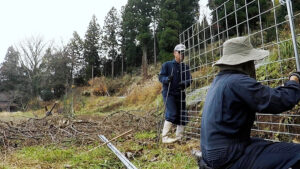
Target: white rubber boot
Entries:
(179, 132)
(166, 129)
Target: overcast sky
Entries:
(54, 20)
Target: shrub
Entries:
(46, 94)
(99, 91)
(86, 93)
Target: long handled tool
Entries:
(160, 124)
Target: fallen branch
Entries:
(111, 140)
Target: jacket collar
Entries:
(230, 72)
(174, 62)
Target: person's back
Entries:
(229, 112)
(222, 128)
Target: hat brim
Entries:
(239, 58)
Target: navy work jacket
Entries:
(229, 113)
(180, 75)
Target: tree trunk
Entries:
(154, 51)
(112, 68)
(122, 71)
(93, 75)
(144, 62)
(112, 62)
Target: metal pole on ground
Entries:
(121, 156)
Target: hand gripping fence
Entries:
(271, 26)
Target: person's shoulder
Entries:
(240, 79)
(167, 63)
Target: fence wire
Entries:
(268, 26)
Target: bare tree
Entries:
(32, 51)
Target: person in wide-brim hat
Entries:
(239, 54)
(239, 50)
(229, 111)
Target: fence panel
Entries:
(268, 26)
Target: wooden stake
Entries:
(111, 140)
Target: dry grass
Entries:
(144, 93)
(99, 86)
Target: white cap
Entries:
(179, 47)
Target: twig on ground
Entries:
(111, 140)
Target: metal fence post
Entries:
(292, 27)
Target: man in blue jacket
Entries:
(175, 77)
(229, 113)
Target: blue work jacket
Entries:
(227, 118)
(180, 75)
(175, 102)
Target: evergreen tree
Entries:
(252, 9)
(111, 37)
(13, 78)
(143, 16)
(91, 48)
(75, 49)
(56, 76)
(122, 41)
(130, 50)
(138, 17)
(10, 70)
(175, 16)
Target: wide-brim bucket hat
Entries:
(239, 50)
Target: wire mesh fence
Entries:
(267, 23)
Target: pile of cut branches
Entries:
(81, 130)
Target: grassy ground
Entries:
(140, 148)
(142, 99)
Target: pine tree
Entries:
(57, 67)
(14, 79)
(10, 70)
(175, 16)
(138, 16)
(130, 50)
(75, 50)
(91, 48)
(242, 27)
(111, 37)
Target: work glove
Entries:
(170, 78)
(297, 74)
(181, 85)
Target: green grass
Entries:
(145, 135)
(146, 154)
(60, 156)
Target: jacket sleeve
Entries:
(264, 99)
(163, 75)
